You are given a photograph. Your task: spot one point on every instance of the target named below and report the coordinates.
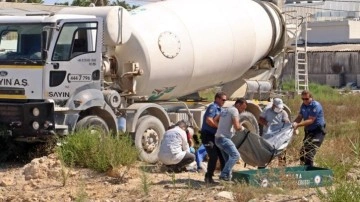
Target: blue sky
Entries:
(131, 2)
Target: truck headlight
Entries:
(36, 111)
(35, 125)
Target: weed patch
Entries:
(344, 191)
(84, 149)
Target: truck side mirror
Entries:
(43, 45)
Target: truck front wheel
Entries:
(148, 136)
(94, 123)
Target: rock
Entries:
(53, 174)
(41, 168)
(192, 199)
(225, 194)
(31, 171)
(27, 188)
(43, 159)
(304, 199)
(4, 182)
(357, 165)
(73, 173)
(34, 184)
(267, 196)
(10, 197)
(116, 172)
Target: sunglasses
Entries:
(305, 98)
(223, 100)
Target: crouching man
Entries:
(174, 149)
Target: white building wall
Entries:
(328, 32)
(354, 31)
(334, 32)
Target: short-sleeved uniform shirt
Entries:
(174, 146)
(226, 122)
(314, 109)
(212, 111)
(276, 120)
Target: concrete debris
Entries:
(41, 168)
(225, 194)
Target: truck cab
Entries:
(44, 61)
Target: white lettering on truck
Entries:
(13, 82)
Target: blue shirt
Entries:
(212, 110)
(314, 109)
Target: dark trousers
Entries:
(214, 153)
(311, 143)
(188, 158)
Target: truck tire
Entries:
(148, 136)
(249, 122)
(94, 124)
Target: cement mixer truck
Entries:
(112, 70)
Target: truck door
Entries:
(74, 58)
(21, 67)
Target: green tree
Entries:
(33, 1)
(63, 4)
(81, 3)
(88, 2)
(103, 3)
(123, 4)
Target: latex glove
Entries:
(242, 128)
(192, 150)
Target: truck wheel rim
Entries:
(150, 140)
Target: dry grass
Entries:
(244, 192)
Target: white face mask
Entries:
(277, 110)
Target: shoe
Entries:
(227, 179)
(209, 180)
(174, 169)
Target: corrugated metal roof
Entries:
(327, 10)
(7, 8)
(332, 47)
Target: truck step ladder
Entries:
(301, 59)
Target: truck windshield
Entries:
(20, 44)
(75, 39)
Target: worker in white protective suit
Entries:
(273, 119)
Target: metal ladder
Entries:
(301, 59)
